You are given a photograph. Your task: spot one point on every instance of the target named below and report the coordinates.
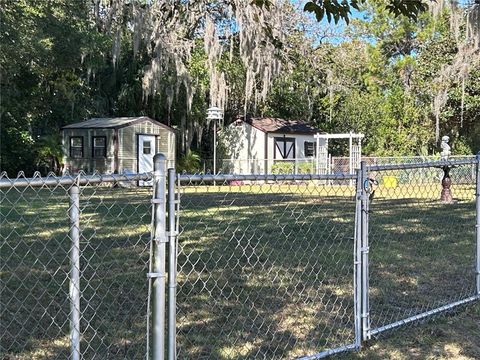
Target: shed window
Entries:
(309, 149)
(76, 147)
(147, 147)
(99, 148)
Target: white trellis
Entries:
(354, 151)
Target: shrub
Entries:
(283, 167)
(189, 163)
(306, 168)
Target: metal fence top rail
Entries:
(83, 179)
(267, 177)
(80, 179)
(439, 164)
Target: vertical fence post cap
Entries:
(158, 159)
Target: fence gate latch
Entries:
(153, 275)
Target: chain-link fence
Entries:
(74, 258)
(236, 266)
(422, 241)
(335, 165)
(265, 267)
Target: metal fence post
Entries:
(159, 256)
(357, 269)
(172, 266)
(364, 251)
(477, 202)
(74, 217)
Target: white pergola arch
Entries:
(354, 150)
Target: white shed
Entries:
(266, 145)
(272, 145)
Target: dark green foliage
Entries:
(56, 69)
(336, 10)
(189, 163)
(384, 87)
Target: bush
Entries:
(306, 168)
(189, 163)
(283, 167)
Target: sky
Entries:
(338, 30)
(335, 31)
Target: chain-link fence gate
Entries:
(424, 241)
(278, 266)
(265, 266)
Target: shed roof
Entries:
(277, 125)
(113, 123)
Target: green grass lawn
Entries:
(265, 271)
(453, 336)
(35, 265)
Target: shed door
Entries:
(284, 148)
(146, 151)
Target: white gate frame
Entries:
(354, 150)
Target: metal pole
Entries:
(423, 315)
(215, 147)
(159, 257)
(329, 166)
(364, 250)
(74, 216)
(357, 269)
(350, 147)
(359, 153)
(317, 153)
(478, 223)
(172, 266)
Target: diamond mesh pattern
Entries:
(114, 253)
(264, 270)
(114, 260)
(422, 250)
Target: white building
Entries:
(273, 145)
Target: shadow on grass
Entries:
(266, 275)
(452, 336)
(247, 259)
(422, 256)
(261, 274)
(35, 267)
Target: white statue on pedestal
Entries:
(446, 152)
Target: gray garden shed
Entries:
(116, 145)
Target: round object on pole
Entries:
(214, 113)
